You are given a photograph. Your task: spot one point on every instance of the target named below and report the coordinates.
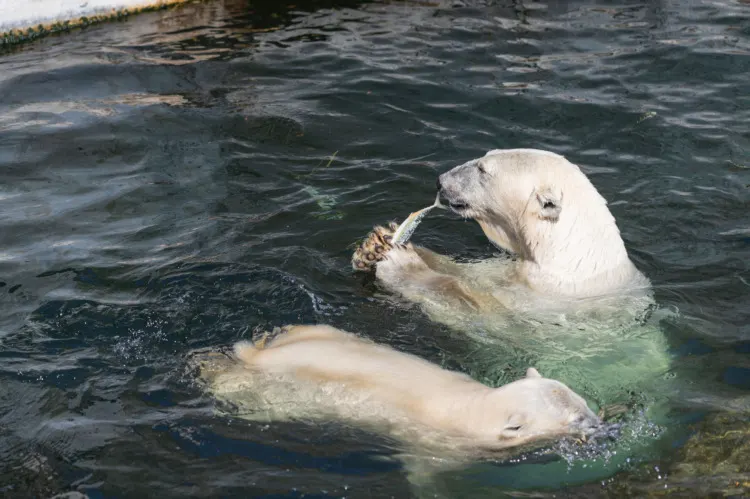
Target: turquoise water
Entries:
(167, 185)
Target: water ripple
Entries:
(183, 179)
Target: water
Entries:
(167, 184)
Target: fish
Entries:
(408, 226)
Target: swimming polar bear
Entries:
(568, 300)
(320, 372)
(534, 204)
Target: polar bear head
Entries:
(541, 207)
(534, 409)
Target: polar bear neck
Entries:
(582, 254)
(460, 411)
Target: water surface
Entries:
(167, 184)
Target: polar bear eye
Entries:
(513, 428)
(480, 167)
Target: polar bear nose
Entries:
(438, 184)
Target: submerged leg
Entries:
(209, 364)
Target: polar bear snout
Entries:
(454, 184)
(457, 204)
(587, 424)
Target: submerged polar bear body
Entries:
(570, 299)
(337, 374)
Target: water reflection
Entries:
(169, 182)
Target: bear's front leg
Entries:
(418, 274)
(373, 249)
(379, 243)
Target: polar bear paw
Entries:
(374, 248)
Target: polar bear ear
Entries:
(532, 373)
(550, 204)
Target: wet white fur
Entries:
(323, 372)
(578, 253)
(570, 299)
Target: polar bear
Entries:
(320, 372)
(534, 204)
(568, 299)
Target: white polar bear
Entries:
(320, 372)
(536, 205)
(570, 297)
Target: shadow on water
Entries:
(184, 178)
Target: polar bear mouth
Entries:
(455, 204)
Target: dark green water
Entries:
(166, 187)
